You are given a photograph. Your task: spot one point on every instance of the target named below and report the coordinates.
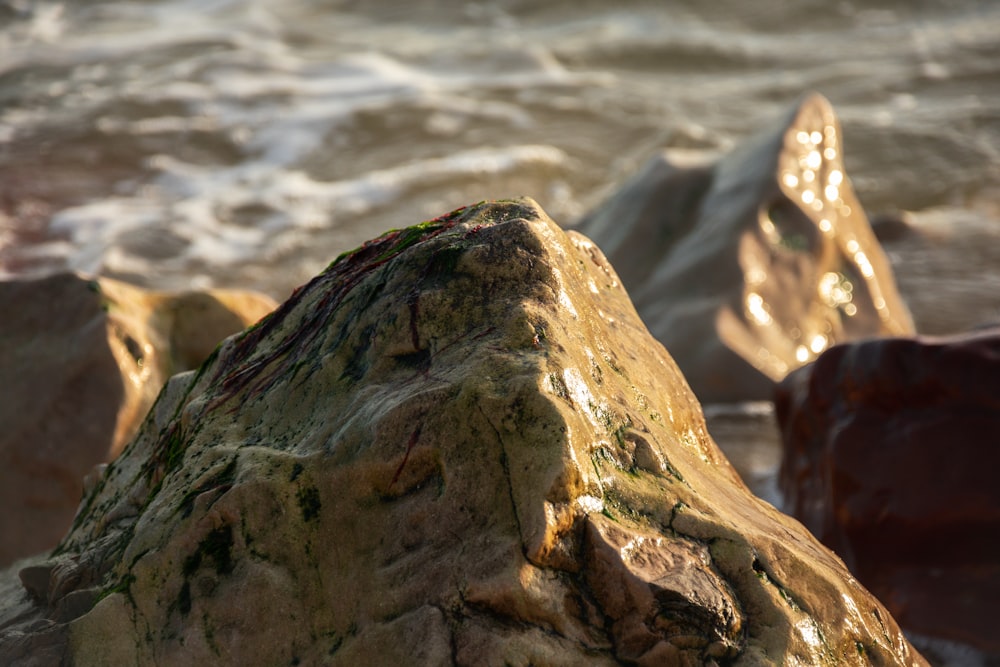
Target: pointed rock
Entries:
(457, 445)
(81, 361)
(749, 268)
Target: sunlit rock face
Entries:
(81, 361)
(458, 445)
(749, 268)
(890, 457)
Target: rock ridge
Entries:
(457, 445)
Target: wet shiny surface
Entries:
(734, 274)
(844, 253)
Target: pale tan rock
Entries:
(751, 267)
(81, 361)
(458, 445)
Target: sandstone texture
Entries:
(750, 267)
(81, 361)
(457, 445)
(890, 458)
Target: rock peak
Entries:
(457, 445)
(750, 267)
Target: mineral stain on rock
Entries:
(457, 445)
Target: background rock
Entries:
(81, 361)
(750, 267)
(890, 458)
(459, 445)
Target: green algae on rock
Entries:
(457, 445)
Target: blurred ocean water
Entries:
(185, 143)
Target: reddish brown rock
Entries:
(891, 458)
(81, 361)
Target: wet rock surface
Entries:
(889, 458)
(81, 361)
(457, 445)
(748, 268)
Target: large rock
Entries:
(81, 361)
(458, 445)
(749, 268)
(890, 458)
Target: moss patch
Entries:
(184, 599)
(217, 547)
(123, 586)
(309, 503)
(173, 453)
